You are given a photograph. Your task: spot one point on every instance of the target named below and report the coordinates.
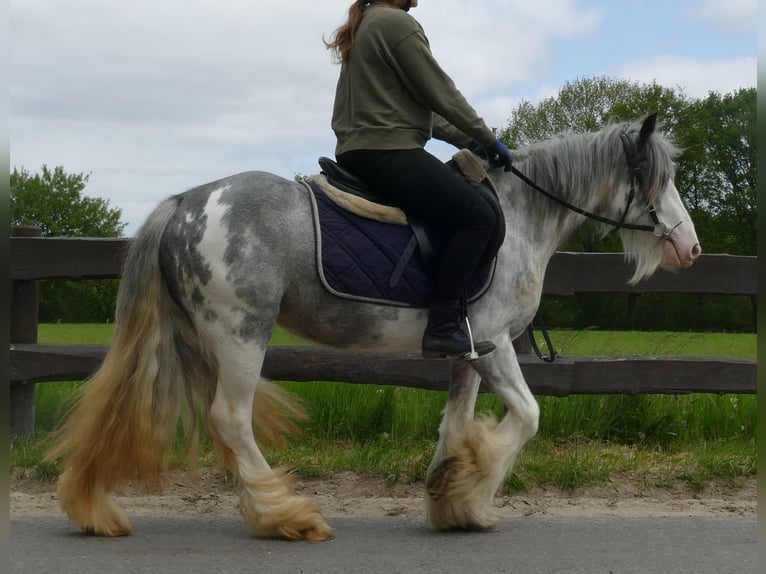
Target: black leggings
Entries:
(424, 187)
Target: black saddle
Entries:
(427, 236)
(348, 182)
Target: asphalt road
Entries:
(534, 545)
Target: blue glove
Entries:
(499, 155)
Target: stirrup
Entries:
(459, 359)
(473, 355)
(476, 353)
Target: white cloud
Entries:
(489, 46)
(155, 97)
(729, 15)
(697, 77)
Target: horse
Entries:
(213, 270)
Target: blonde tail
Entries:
(124, 423)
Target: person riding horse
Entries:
(391, 98)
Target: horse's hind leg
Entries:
(474, 456)
(267, 499)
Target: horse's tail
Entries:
(125, 422)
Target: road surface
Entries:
(534, 545)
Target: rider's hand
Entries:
(499, 155)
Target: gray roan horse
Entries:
(215, 269)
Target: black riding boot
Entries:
(444, 335)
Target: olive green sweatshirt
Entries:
(392, 94)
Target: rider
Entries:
(391, 97)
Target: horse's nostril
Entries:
(696, 251)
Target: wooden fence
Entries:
(34, 258)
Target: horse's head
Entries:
(653, 200)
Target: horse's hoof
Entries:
(111, 532)
(318, 534)
(438, 478)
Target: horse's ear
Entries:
(650, 124)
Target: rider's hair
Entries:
(342, 39)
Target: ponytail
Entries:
(343, 38)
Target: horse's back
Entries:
(248, 203)
(250, 190)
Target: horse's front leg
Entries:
(474, 456)
(457, 414)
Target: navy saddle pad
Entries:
(359, 258)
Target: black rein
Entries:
(588, 214)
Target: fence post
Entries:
(632, 300)
(522, 345)
(754, 307)
(24, 320)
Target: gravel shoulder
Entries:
(353, 495)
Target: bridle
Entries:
(636, 158)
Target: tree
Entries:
(719, 173)
(716, 171)
(53, 201)
(588, 104)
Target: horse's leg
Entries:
(520, 422)
(448, 471)
(474, 456)
(267, 499)
(458, 412)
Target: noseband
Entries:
(636, 158)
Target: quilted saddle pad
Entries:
(359, 258)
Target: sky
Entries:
(152, 98)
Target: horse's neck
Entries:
(566, 171)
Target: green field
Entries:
(391, 431)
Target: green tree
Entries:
(716, 172)
(53, 200)
(588, 104)
(719, 172)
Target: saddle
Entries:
(370, 250)
(352, 194)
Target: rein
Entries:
(635, 160)
(588, 214)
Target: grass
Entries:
(655, 440)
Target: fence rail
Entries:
(629, 375)
(34, 258)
